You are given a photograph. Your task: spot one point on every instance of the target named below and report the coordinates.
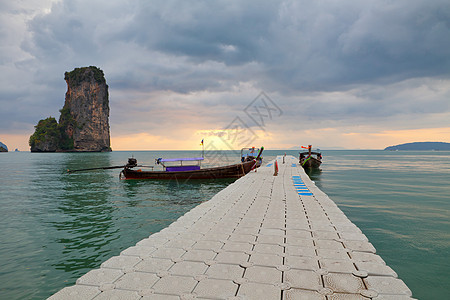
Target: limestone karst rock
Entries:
(84, 122)
(85, 116)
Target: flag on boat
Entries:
(201, 143)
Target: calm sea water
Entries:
(55, 227)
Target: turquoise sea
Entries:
(55, 227)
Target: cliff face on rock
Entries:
(85, 116)
(84, 122)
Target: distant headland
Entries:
(84, 121)
(3, 147)
(421, 146)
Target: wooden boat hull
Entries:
(231, 171)
(310, 163)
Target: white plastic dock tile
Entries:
(76, 292)
(216, 289)
(294, 294)
(269, 275)
(337, 266)
(237, 246)
(268, 248)
(270, 239)
(302, 263)
(207, 245)
(343, 283)
(366, 257)
(263, 237)
(188, 268)
(303, 279)
(121, 262)
(138, 251)
(169, 253)
(154, 265)
(387, 285)
(136, 281)
(118, 294)
(175, 285)
(100, 276)
(375, 269)
(199, 255)
(236, 258)
(258, 291)
(225, 271)
(160, 297)
(266, 260)
(301, 251)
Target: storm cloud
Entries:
(334, 63)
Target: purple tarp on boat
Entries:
(182, 168)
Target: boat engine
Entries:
(132, 162)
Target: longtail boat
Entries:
(249, 154)
(310, 159)
(188, 170)
(185, 172)
(191, 172)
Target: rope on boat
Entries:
(242, 168)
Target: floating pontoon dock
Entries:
(262, 237)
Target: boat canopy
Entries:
(160, 160)
(306, 152)
(250, 151)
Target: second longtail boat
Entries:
(309, 159)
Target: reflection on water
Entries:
(314, 174)
(54, 227)
(400, 200)
(74, 161)
(87, 225)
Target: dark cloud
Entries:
(223, 31)
(299, 45)
(353, 60)
(303, 45)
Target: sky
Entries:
(335, 74)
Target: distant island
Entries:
(3, 147)
(421, 146)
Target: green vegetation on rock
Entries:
(66, 120)
(51, 136)
(78, 75)
(46, 135)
